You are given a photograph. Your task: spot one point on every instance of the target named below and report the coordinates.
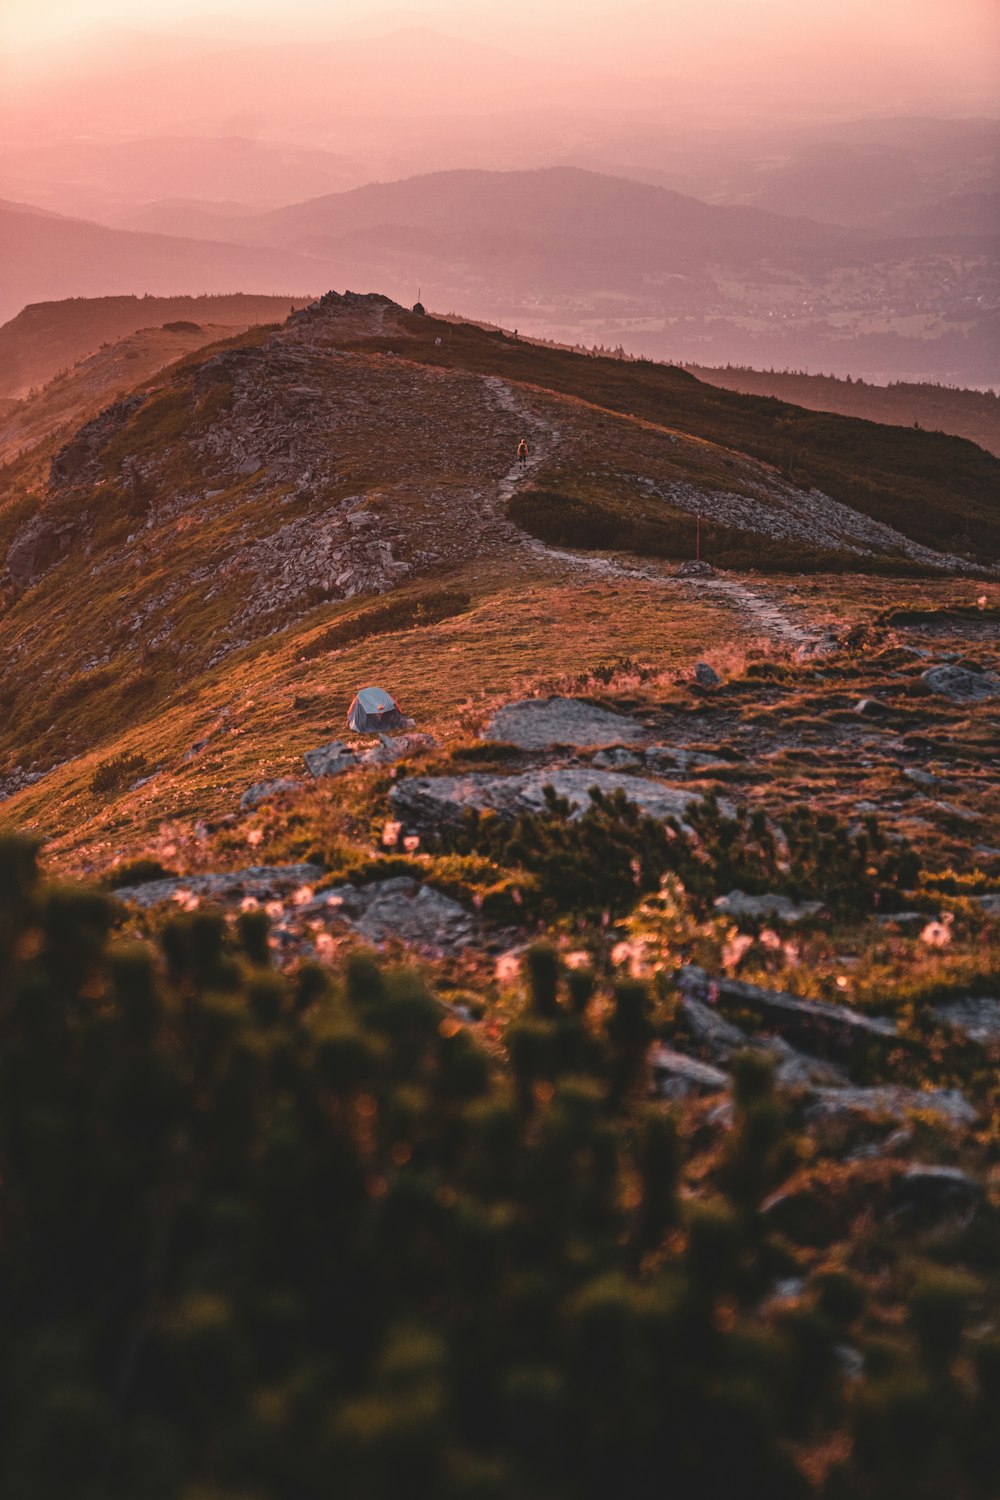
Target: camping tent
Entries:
(374, 711)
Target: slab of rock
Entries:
(977, 1016)
(739, 904)
(540, 723)
(432, 800)
(616, 759)
(677, 1076)
(263, 882)
(393, 747)
(931, 1195)
(826, 1027)
(892, 1101)
(961, 684)
(695, 568)
(706, 676)
(401, 908)
(261, 790)
(330, 760)
(723, 1040)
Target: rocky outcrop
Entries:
(960, 684)
(400, 908)
(39, 545)
(429, 801)
(261, 791)
(977, 1016)
(262, 882)
(827, 1028)
(76, 463)
(782, 908)
(542, 723)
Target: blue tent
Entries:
(374, 711)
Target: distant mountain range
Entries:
(579, 256)
(46, 256)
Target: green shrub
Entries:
(118, 772)
(261, 1229)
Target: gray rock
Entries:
(990, 903)
(616, 759)
(677, 1076)
(38, 546)
(705, 676)
(400, 908)
(739, 904)
(261, 790)
(892, 1101)
(695, 568)
(394, 747)
(432, 800)
(539, 723)
(826, 1027)
(851, 1361)
(329, 760)
(263, 882)
(931, 1195)
(977, 1016)
(722, 1039)
(962, 685)
(925, 779)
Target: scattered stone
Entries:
(739, 904)
(400, 908)
(851, 1361)
(931, 1195)
(262, 790)
(827, 1027)
(616, 759)
(990, 903)
(925, 779)
(430, 800)
(961, 684)
(892, 1101)
(540, 723)
(330, 760)
(723, 1040)
(695, 568)
(677, 1076)
(977, 1016)
(705, 676)
(394, 747)
(263, 882)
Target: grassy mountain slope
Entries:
(201, 559)
(47, 338)
(969, 414)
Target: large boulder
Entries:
(540, 723)
(960, 684)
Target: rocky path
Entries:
(759, 613)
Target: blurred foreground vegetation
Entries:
(289, 1236)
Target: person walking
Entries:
(522, 452)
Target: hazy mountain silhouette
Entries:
(46, 256)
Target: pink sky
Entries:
(877, 55)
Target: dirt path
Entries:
(759, 613)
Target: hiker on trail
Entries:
(522, 451)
